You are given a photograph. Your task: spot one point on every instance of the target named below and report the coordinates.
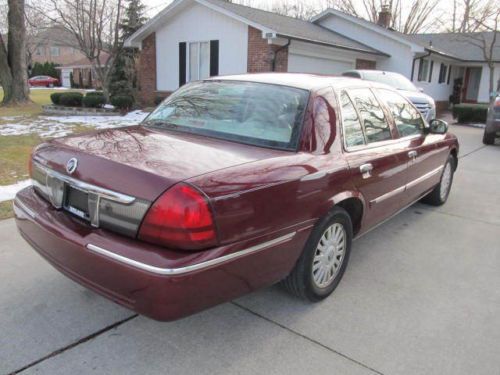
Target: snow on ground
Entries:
(59, 126)
(8, 192)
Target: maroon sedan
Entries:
(230, 185)
(43, 81)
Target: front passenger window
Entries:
(406, 117)
(374, 122)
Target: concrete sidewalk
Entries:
(420, 296)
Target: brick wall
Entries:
(147, 71)
(260, 54)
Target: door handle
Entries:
(366, 170)
(412, 154)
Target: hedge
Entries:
(71, 99)
(94, 101)
(55, 97)
(122, 101)
(470, 112)
(95, 93)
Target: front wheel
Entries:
(488, 138)
(439, 195)
(324, 259)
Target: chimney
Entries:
(384, 16)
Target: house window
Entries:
(54, 51)
(198, 60)
(442, 73)
(423, 70)
(431, 69)
(40, 51)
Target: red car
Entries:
(230, 185)
(43, 81)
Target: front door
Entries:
(377, 162)
(425, 158)
(471, 84)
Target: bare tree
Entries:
(488, 41)
(36, 23)
(13, 72)
(297, 9)
(470, 15)
(95, 26)
(409, 17)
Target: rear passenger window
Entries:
(406, 117)
(374, 122)
(353, 133)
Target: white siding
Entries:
(439, 91)
(199, 23)
(401, 54)
(484, 85)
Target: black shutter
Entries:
(431, 69)
(182, 63)
(449, 75)
(214, 58)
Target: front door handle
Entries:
(412, 154)
(366, 170)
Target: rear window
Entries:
(254, 113)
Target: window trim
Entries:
(420, 75)
(188, 59)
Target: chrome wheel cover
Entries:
(445, 182)
(329, 255)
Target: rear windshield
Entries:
(397, 81)
(254, 113)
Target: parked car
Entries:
(230, 185)
(43, 81)
(423, 102)
(492, 129)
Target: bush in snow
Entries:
(93, 101)
(123, 102)
(71, 99)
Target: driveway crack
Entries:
(308, 338)
(74, 344)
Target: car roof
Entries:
(372, 71)
(300, 80)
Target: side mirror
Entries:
(438, 126)
(421, 89)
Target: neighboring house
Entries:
(195, 39)
(53, 44)
(83, 73)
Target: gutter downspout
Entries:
(273, 63)
(415, 59)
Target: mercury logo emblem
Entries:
(71, 165)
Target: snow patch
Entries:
(8, 192)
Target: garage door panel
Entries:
(307, 64)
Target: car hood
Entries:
(144, 162)
(417, 97)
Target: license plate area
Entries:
(76, 201)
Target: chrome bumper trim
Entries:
(191, 268)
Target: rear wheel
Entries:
(488, 138)
(324, 259)
(439, 195)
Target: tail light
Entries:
(180, 218)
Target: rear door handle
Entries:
(412, 154)
(366, 170)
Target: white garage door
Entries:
(307, 64)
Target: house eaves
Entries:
(391, 34)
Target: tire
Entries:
(305, 279)
(50, 85)
(488, 138)
(439, 195)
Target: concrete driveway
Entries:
(421, 296)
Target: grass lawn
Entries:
(39, 98)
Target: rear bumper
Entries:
(160, 283)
